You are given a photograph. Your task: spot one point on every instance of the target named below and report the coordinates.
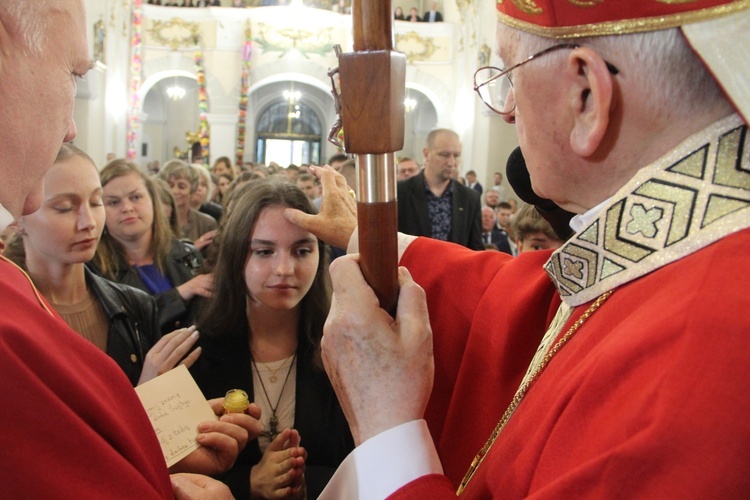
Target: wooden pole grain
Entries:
(372, 82)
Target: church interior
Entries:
(252, 83)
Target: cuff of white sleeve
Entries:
(384, 463)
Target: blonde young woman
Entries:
(139, 249)
(54, 243)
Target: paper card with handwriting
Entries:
(176, 406)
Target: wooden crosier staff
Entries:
(372, 80)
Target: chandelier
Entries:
(292, 96)
(175, 92)
(410, 104)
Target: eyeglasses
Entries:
(494, 84)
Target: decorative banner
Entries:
(202, 103)
(247, 52)
(136, 64)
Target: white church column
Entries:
(223, 135)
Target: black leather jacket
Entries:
(133, 323)
(183, 263)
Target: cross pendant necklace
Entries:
(274, 426)
(273, 423)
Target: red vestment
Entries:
(72, 425)
(649, 398)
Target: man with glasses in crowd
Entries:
(406, 168)
(634, 116)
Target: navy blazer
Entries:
(225, 364)
(466, 226)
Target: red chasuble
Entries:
(649, 398)
(488, 313)
(72, 426)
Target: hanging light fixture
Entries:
(292, 95)
(175, 92)
(410, 104)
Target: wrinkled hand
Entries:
(205, 239)
(197, 487)
(221, 440)
(381, 368)
(338, 214)
(168, 351)
(202, 286)
(281, 471)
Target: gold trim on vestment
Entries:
(624, 26)
(691, 197)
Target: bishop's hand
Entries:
(338, 213)
(381, 368)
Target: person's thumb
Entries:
(278, 443)
(300, 219)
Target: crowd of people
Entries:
(610, 366)
(188, 3)
(122, 256)
(341, 6)
(93, 436)
(164, 266)
(437, 202)
(431, 16)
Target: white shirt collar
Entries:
(580, 221)
(6, 219)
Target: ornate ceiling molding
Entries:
(175, 33)
(415, 47)
(285, 40)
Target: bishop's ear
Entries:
(591, 98)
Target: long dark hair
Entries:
(226, 312)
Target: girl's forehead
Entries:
(273, 226)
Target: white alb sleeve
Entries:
(384, 463)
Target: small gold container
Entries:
(236, 401)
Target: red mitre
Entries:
(578, 18)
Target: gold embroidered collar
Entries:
(688, 199)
